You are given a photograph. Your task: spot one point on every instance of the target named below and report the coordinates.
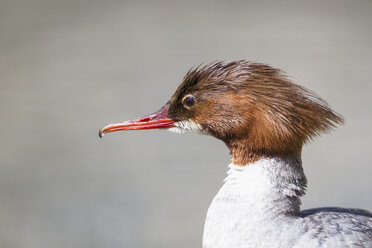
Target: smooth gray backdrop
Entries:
(68, 67)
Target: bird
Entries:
(265, 119)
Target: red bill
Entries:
(157, 120)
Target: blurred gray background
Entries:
(68, 67)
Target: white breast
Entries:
(254, 203)
(259, 206)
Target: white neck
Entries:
(253, 202)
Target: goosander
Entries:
(264, 119)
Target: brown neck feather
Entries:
(244, 152)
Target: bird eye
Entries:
(188, 101)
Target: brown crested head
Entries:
(254, 108)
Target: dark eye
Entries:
(188, 101)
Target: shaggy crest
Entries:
(254, 108)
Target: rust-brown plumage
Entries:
(254, 108)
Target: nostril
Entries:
(145, 119)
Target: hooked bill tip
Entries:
(101, 133)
